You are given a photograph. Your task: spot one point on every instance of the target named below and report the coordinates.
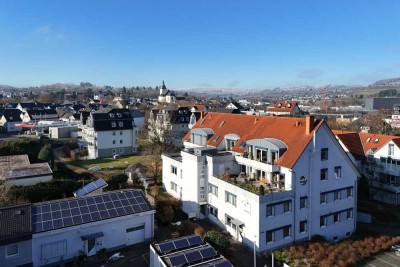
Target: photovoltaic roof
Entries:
(57, 214)
(190, 257)
(89, 188)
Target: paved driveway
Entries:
(386, 259)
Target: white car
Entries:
(396, 249)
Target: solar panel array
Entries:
(52, 215)
(89, 188)
(181, 243)
(217, 263)
(192, 256)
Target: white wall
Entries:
(114, 231)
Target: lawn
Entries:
(110, 163)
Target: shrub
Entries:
(217, 240)
(199, 230)
(186, 228)
(117, 180)
(166, 215)
(261, 190)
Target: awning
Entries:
(92, 236)
(237, 222)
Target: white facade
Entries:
(195, 178)
(66, 243)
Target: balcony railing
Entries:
(256, 164)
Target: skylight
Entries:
(243, 144)
(368, 139)
(216, 138)
(376, 140)
(221, 124)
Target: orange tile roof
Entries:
(283, 106)
(367, 141)
(291, 131)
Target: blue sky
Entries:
(202, 43)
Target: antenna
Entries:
(323, 105)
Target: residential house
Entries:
(284, 108)
(169, 124)
(108, 132)
(17, 170)
(57, 231)
(378, 159)
(267, 180)
(10, 119)
(138, 117)
(35, 115)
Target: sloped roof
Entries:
(361, 143)
(290, 131)
(15, 223)
(283, 106)
(12, 115)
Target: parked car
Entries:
(116, 156)
(396, 249)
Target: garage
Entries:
(135, 235)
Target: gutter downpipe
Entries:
(309, 185)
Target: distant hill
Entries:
(386, 83)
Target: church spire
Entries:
(163, 85)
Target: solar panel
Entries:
(217, 263)
(165, 247)
(208, 252)
(178, 260)
(195, 240)
(182, 243)
(63, 213)
(89, 188)
(193, 256)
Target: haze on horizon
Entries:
(221, 44)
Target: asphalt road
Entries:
(386, 259)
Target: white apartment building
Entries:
(108, 132)
(308, 183)
(378, 159)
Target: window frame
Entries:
(325, 172)
(304, 224)
(323, 199)
(270, 234)
(213, 189)
(322, 221)
(303, 202)
(324, 154)
(270, 210)
(229, 196)
(174, 170)
(337, 171)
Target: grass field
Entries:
(110, 163)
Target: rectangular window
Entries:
(212, 189)
(322, 221)
(213, 211)
(121, 150)
(270, 236)
(228, 221)
(270, 210)
(114, 151)
(113, 142)
(113, 124)
(349, 214)
(12, 250)
(286, 206)
(337, 172)
(391, 150)
(323, 198)
(121, 124)
(120, 132)
(303, 226)
(303, 202)
(230, 198)
(55, 249)
(174, 186)
(114, 133)
(286, 231)
(349, 192)
(120, 141)
(336, 217)
(336, 195)
(324, 153)
(324, 174)
(174, 169)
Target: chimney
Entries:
(309, 124)
(201, 114)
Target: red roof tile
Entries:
(283, 106)
(291, 131)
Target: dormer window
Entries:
(119, 115)
(376, 140)
(121, 124)
(112, 115)
(368, 139)
(113, 124)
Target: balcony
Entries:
(245, 181)
(257, 164)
